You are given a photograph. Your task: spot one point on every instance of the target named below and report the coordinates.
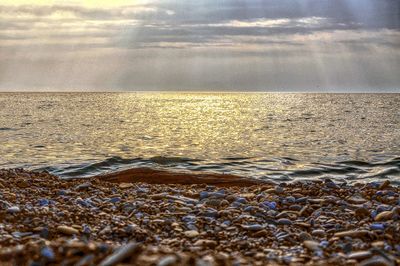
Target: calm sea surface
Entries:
(263, 135)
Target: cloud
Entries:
(281, 36)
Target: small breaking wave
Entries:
(171, 160)
(115, 163)
(276, 169)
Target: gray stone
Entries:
(13, 209)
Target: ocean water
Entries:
(279, 136)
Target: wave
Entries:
(171, 160)
(114, 163)
(89, 169)
(394, 161)
(273, 169)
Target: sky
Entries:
(192, 45)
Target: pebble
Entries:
(376, 261)
(67, 230)
(352, 233)
(377, 226)
(279, 190)
(318, 233)
(22, 183)
(356, 200)
(270, 204)
(13, 209)
(203, 194)
(362, 212)
(284, 221)
(86, 260)
(359, 255)
(253, 227)
(43, 202)
(311, 245)
(114, 200)
(206, 243)
(83, 186)
(191, 234)
(384, 185)
(305, 236)
(383, 216)
(47, 253)
(121, 254)
(168, 261)
(126, 185)
(331, 184)
(241, 200)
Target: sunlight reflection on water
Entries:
(256, 134)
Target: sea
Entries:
(276, 136)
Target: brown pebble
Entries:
(191, 233)
(67, 230)
(261, 233)
(22, 183)
(383, 216)
(352, 233)
(206, 243)
(311, 245)
(384, 184)
(126, 185)
(361, 212)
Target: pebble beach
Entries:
(45, 220)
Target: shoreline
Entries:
(49, 221)
(173, 177)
